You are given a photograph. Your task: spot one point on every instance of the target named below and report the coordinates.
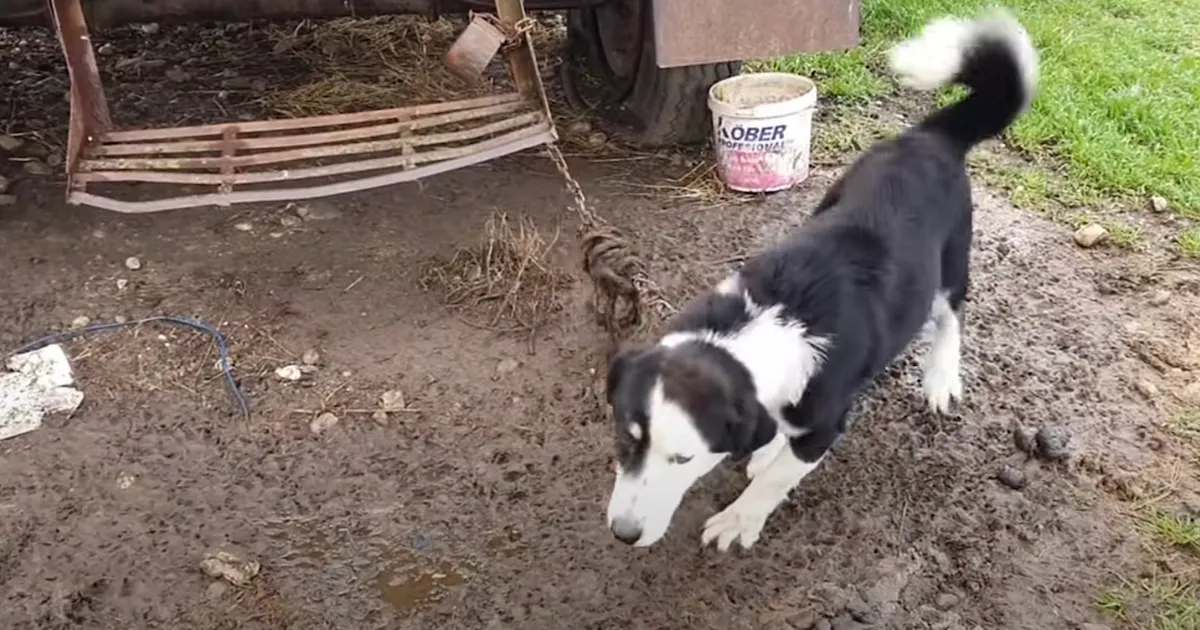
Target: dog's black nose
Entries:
(627, 532)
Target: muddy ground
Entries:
(480, 503)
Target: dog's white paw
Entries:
(734, 523)
(943, 384)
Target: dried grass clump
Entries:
(505, 278)
(371, 63)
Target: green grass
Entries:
(1119, 103)
(1189, 243)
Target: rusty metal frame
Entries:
(366, 150)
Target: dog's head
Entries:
(679, 411)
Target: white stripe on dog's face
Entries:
(644, 499)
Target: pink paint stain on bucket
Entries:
(762, 125)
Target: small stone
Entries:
(1090, 234)
(105, 49)
(946, 601)
(323, 423)
(122, 284)
(1159, 204)
(243, 226)
(120, 319)
(596, 140)
(1012, 477)
(846, 622)
(1024, 439)
(579, 128)
(230, 566)
(4, 184)
(1160, 297)
(507, 365)
(7, 200)
(806, 620)
(380, 417)
(132, 263)
(1191, 393)
(36, 167)
(289, 373)
(393, 401)
(1147, 389)
(9, 144)
(1053, 442)
(81, 322)
(217, 590)
(150, 28)
(862, 612)
(311, 357)
(318, 211)
(289, 220)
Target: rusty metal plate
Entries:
(689, 32)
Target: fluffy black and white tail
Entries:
(993, 56)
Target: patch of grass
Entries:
(1186, 424)
(1176, 530)
(1189, 243)
(1176, 603)
(1117, 103)
(1159, 603)
(1123, 235)
(1113, 604)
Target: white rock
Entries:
(393, 400)
(122, 284)
(289, 373)
(81, 322)
(507, 365)
(1191, 394)
(243, 226)
(230, 566)
(133, 263)
(1160, 297)
(323, 423)
(311, 357)
(41, 382)
(380, 417)
(1159, 204)
(9, 144)
(1147, 389)
(1090, 234)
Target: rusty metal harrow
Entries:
(291, 159)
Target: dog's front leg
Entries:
(744, 519)
(816, 424)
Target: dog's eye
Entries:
(679, 459)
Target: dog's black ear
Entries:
(751, 428)
(617, 367)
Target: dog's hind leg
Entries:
(943, 379)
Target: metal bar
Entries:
(278, 157)
(106, 13)
(330, 120)
(89, 107)
(545, 136)
(345, 168)
(193, 146)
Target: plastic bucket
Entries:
(762, 127)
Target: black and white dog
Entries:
(768, 364)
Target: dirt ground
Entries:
(480, 503)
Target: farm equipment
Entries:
(655, 60)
